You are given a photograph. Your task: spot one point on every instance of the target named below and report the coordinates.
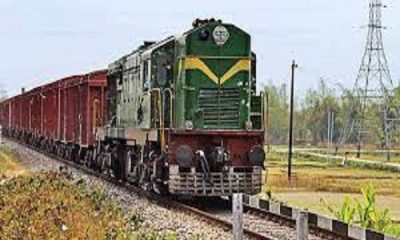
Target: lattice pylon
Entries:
(373, 83)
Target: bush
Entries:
(52, 206)
(364, 213)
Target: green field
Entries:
(370, 154)
(316, 183)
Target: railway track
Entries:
(258, 224)
(265, 222)
(167, 202)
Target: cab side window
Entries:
(146, 79)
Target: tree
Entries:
(278, 117)
(316, 108)
(3, 94)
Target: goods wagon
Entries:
(61, 116)
(5, 114)
(82, 109)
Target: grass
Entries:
(318, 175)
(51, 205)
(314, 180)
(10, 164)
(366, 154)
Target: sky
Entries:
(43, 40)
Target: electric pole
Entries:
(373, 85)
(294, 66)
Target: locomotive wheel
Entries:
(160, 188)
(115, 165)
(144, 180)
(122, 159)
(128, 163)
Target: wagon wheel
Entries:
(89, 159)
(128, 163)
(77, 155)
(99, 162)
(67, 154)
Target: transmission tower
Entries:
(373, 86)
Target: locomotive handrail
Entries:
(262, 109)
(161, 115)
(171, 98)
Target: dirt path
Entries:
(10, 166)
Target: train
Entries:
(180, 116)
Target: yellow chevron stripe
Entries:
(241, 65)
(195, 63)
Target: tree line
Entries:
(325, 113)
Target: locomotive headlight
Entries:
(221, 35)
(257, 156)
(189, 125)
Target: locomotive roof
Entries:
(144, 50)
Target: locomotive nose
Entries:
(257, 156)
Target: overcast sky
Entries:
(41, 41)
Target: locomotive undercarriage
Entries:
(139, 165)
(146, 167)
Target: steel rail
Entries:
(315, 230)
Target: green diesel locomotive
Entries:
(184, 116)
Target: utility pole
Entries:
(294, 66)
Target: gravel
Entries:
(154, 216)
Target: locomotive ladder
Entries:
(161, 111)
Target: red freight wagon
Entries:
(5, 114)
(16, 113)
(82, 100)
(34, 111)
(50, 110)
(60, 117)
(2, 119)
(24, 101)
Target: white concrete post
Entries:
(302, 226)
(237, 209)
